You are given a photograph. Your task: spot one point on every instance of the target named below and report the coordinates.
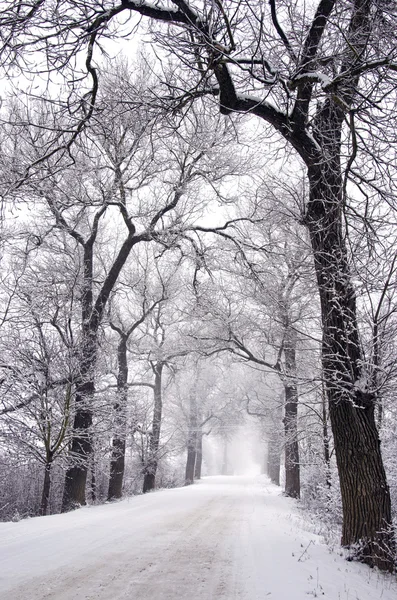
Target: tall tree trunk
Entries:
(327, 455)
(117, 466)
(292, 468)
(192, 438)
(364, 489)
(117, 461)
(149, 479)
(376, 344)
(81, 446)
(94, 491)
(91, 313)
(199, 455)
(191, 459)
(74, 493)
(45, 497)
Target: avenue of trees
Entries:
(197, 237)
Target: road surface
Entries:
(223, 538)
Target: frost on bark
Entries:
(80, 451)
(292, 467)
(192, 438)
(199, 454)
(45, 497)
(306, 80)
(364, 489)
(149, 474)
(92, 313)
(117, 460)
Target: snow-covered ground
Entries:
(226, 537)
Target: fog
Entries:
(238, 451)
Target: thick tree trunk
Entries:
(292, 468)
(327, 455)
(93, 486)
(364, 489)
(81, 446)
(192, 438)
(45, 497)
(190, 460)
(117, 465)
(91, 318)
(149, 479)
(80, 451)
(117, 461)
(199, 455)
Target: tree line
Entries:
(297, 263)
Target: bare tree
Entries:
(38, 365)
(125, 332)
(313, 89)
(320, 77)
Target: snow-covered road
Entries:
(226, 538)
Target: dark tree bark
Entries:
(92, 313)
(52, 447)
(74, 493)
(364, 489)
(192, 438)
(80, 450)
(45, 497)
(292, 468)
(327, 454)
(94, 494)
(199, 454)
(117, 466)
(191, 459)
(117, 461)
(149, 479)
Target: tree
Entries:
(312, 85)
(258, 306)
(37, 360)
(319, 77)
(201, 411)
(125, 332)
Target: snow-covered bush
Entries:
(322, 501)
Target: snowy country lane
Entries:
(226, 537)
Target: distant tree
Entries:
(265, 296)
(203, 412)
